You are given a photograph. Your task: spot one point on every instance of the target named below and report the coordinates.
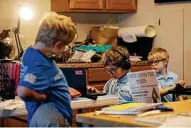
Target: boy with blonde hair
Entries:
(117, 64)
(167, 80)
(42, 84)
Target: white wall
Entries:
(28, 29)
(173, 33)
(85, 21)
(187, 44)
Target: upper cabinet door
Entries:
(121, 5)
(100, 6)
(86, 4)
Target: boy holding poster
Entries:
(167, 80)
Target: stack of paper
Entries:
(129, 108)
(11, 104)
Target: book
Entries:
(129, 108)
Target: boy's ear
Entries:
(57, 44)
(166, 62)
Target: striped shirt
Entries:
(120, 88)
(168, 82)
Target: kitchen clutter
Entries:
(138, 40)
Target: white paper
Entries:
(11, 104)
(80, 56)
(144, 86)
(177, 121)
(129, 34)
(129, 37)
(4, 104)
(86, 57)
(76, 56)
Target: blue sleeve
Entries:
(106, 87)
(34, 78)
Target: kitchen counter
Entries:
(97, 65)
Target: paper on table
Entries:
(11, 104)
(4, 104)
(177, 121)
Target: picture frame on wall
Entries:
(165, 1)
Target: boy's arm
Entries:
(164, 91)
(28, 94)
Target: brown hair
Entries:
(54, 27)
(115, 56)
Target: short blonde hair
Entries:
(158, 54)
(115, 56)
(54, 27)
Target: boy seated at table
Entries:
(117, 64)
(167, 80)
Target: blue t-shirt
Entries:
(120, 88)
(167, 82)
(40, 73)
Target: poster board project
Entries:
(144, 86)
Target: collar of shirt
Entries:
(124, 79)
(159, 76)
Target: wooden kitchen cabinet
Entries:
(102, 6)
(121, 5)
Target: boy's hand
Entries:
(181, 82)
(92, 89)
(74, 93)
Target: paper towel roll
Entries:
(130, 38)
(139, 31)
